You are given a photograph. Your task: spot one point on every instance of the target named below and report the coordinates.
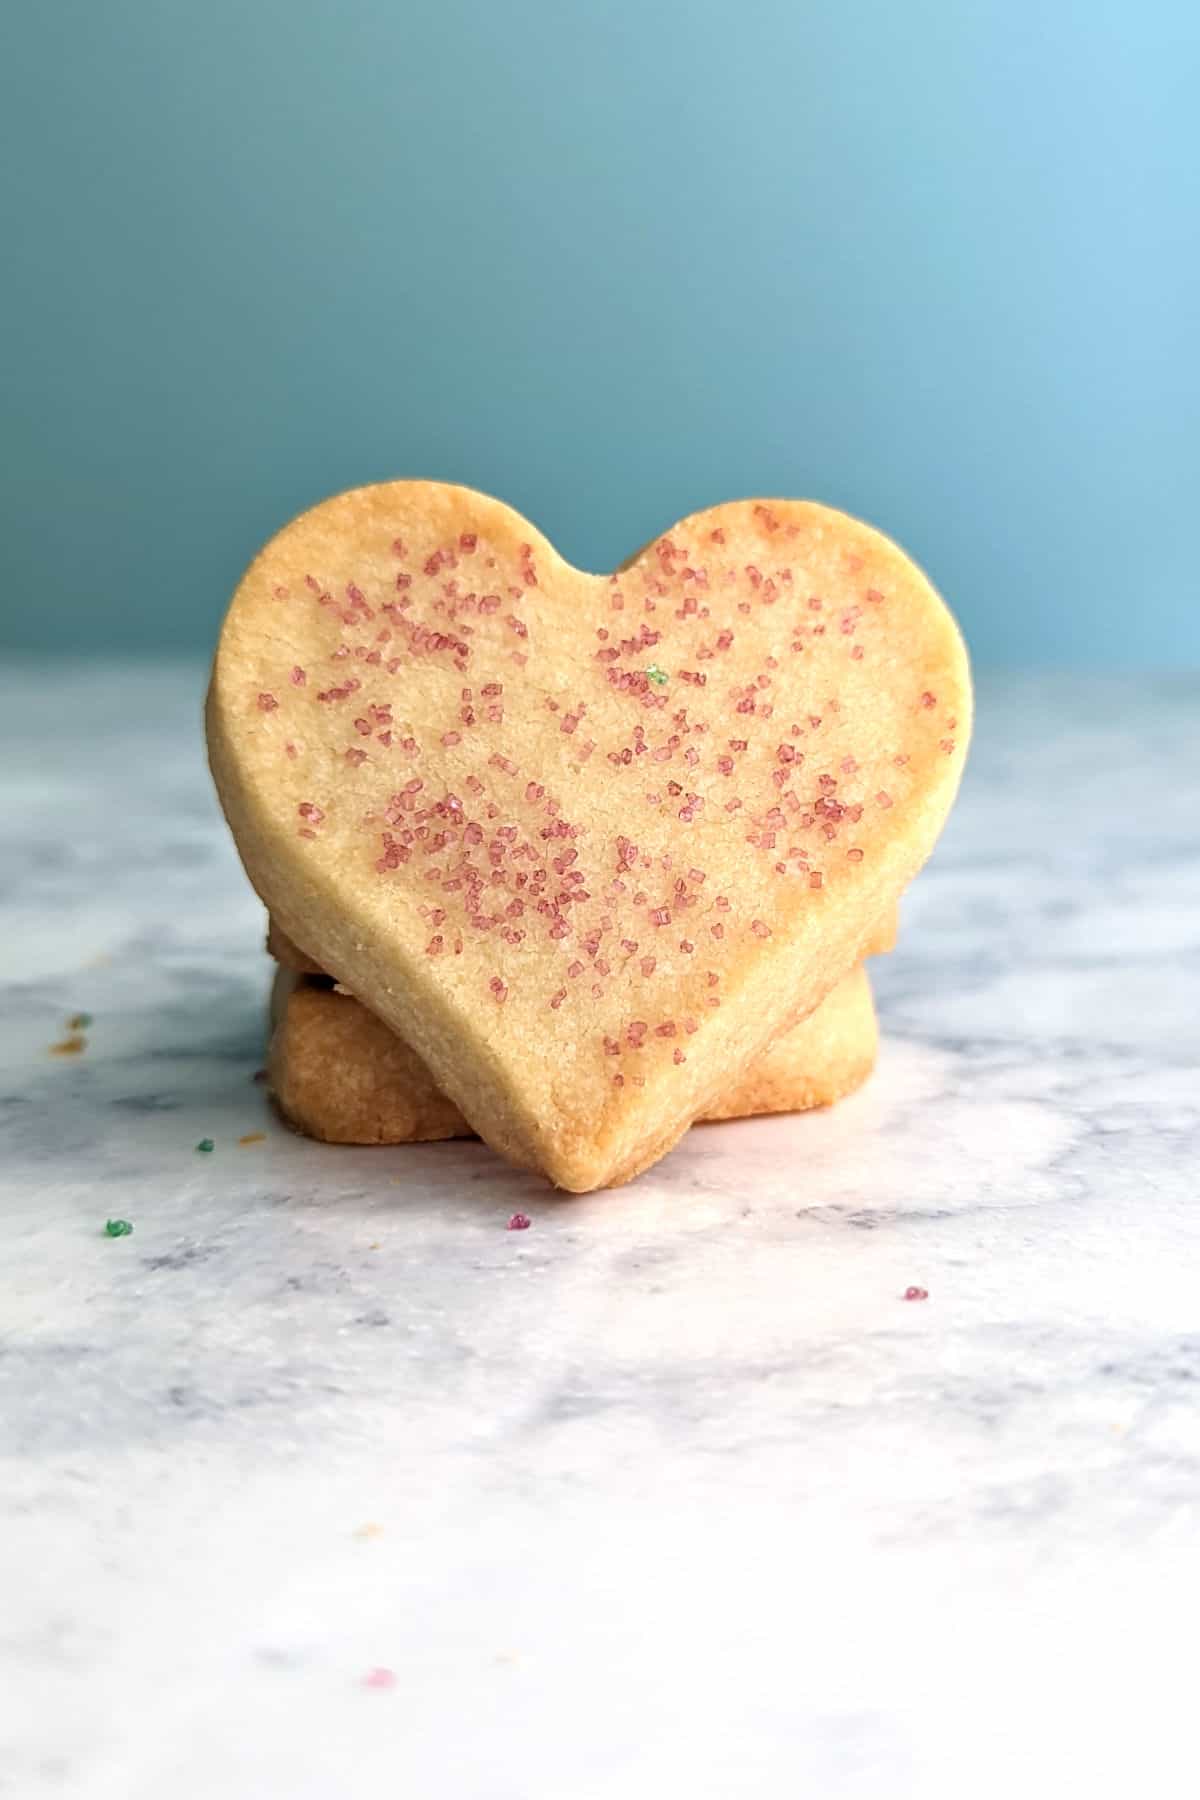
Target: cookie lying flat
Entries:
(338, 1073)
(587, 843)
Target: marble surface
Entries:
(672, 1494)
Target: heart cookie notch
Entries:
(586, 843)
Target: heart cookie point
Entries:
(587, 843)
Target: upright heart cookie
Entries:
(587, 843)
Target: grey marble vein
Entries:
(672, 1494)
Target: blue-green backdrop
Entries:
(935, 261)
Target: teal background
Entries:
(934, 261)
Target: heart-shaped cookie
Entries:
(587, 843)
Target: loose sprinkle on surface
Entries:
(205, 1144)
(916, 1293)
(79, 1021)
(117, 1228)
(380, 1678)
(519, 1222)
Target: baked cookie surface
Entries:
(588, 844)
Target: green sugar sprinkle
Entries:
(658, 676)
(79, 1021)
(118, 1228)
(205, 1144)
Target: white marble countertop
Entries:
(672, 1494)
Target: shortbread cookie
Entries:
(339, 1074)
(288, 954)
(587, 843)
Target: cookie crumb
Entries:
(69, 1046)
(117, 1228)
(519, 1222)
(252, 1137)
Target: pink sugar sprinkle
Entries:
(498, 989)
(916, 1293)
(267, 703)
(519, 1222)
(760, 929)
(307, 810)
(380, 1678)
